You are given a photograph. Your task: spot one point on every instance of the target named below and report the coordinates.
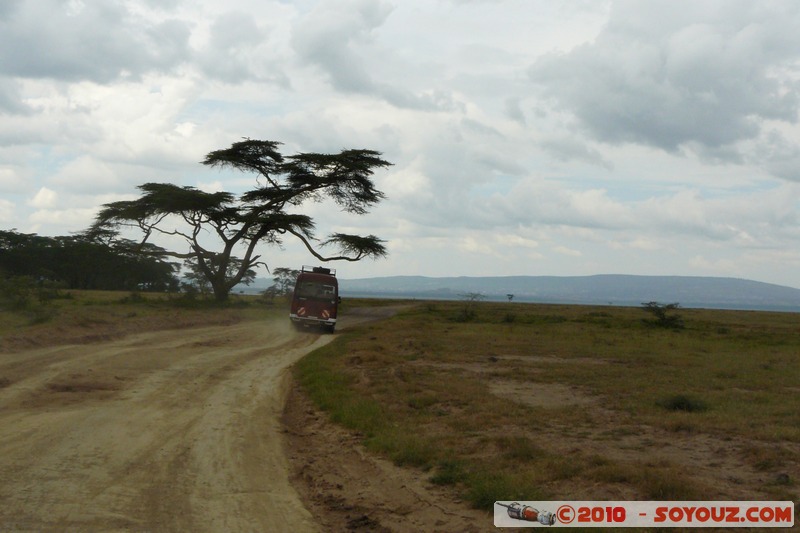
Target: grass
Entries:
(425, 390)
(77, 316)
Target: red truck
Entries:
(315, 301)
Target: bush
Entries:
(663, 316)
(682, 402)
(469, 312)
(16, 292)
(26, 295)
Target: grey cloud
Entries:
(481, 129)
(336, 37)
(10, 98)
(778, 156)
(7, 7)
(513, 110)
(233, 36)
(163, 4)
(99, 41)
(667, 73)
(571, 149)
(460, 179)
(168, 45)
(330, 35)
(437, 100)
(467, 2)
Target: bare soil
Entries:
(348, 489)
(175, 430)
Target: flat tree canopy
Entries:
(258, 215)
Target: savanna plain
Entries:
(507, 401)
(463, 402)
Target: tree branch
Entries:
(317, 254)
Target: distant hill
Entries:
(689, 291)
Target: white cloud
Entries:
(44, 199)
(475, 245)
(86, 175)
(534, 202)
(719, 267)
(568, 251)
(76, 217)
(10, 180)
(515, 241)
(7, 212)
(214, 186)
(409, 184)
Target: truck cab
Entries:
(315, 301)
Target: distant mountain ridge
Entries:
(614, 289)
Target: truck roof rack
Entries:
(319, 270)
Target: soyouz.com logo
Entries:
(644, 514)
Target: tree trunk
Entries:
(221, 290)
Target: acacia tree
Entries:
(284, 279)
(662, 313)
(258, 215)
(284, 282)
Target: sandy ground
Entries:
(164, 431)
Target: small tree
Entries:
(259, 215)
(284, 279)
(469, 312)
(663, 315)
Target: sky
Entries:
(527, 137)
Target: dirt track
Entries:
(163, 431)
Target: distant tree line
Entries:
(101, 261)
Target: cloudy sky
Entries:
(534, 137)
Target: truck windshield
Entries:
(316, 290)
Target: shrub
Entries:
(682, 402)
(469, 312)
(663, 316)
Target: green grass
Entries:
(418, 387)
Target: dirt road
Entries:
(163, 431)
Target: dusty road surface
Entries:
(163, 431)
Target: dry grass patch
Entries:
(526, 401)
(95, 316)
